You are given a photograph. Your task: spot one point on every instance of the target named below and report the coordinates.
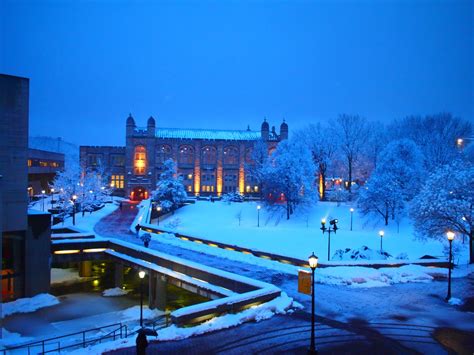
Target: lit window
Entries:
(29, 162)
(140, 160)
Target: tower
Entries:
(151, 126)
(283, 130)
(130, 125)
(265, 130)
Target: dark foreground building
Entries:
(211, 162)
(25, 238)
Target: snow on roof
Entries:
(190, 133)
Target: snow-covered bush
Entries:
(363, 253)
(232, 197)
(170, 192)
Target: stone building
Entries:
(211, 162)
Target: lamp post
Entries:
(52, 198)
(381, 233)
(313, 263)
(352, 212)
(43, 192)
(112, 191)
(332, 228)
(141, 274)
(158, 209)
(74, 198)
(258, 215)
(450, 236)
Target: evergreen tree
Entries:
(170, 192)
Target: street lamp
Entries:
(52, 197)
(258, 215)
(450, 236)
(158, 209)
(332, 228)
(381, 233)
(313, 263)
(43, 192)
(112, 191)
(74, 198)
(141, 274)
(352, 212)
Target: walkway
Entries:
(340, 309)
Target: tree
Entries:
(436, 135)
(446, 202)
(170, 192)
(259, 159)
(288, 176)
(351, 132)
(321, 142)
(395, 181)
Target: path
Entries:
(340, 308)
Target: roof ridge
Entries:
(206, 129)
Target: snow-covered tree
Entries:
(446, 202)
(259, 159)
(170, 192)
(352, 132)
(436, 135)
(322, 143)
(289, 176)
(395, 181)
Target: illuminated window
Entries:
(190, 176)
(231, 155)
(190, 188)
(29, 162)
(140, 160)
(117, 181)
(186, 154)
(208, 155)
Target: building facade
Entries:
(25, 237)
(42, 168)
(211, 162)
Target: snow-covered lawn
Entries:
(300, 235)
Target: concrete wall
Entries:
(14, 106)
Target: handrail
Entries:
(84, 342)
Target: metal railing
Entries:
(69, 341)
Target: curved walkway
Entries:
(290, 333)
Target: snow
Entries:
(300, 235)
(27, 305)
(453, 301)
(133, 313)
(279, 305)
(9, 338)
(182, 133)
(59, 276)
(114, 292)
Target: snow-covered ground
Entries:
(300, 235)
(27, 305)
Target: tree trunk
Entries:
(471, 247)
(349, 186)
(322, 184)
(287, 210)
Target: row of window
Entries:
(43, 163)
(117, 181)
(98, 159)
(186, 154)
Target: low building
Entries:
(42, 168)
(25, 238)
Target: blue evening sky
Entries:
(225, 64)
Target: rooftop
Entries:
(189, 133)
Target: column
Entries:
(157, 291)
(118, 275)
(85, 269)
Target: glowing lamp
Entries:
(258, 207)
(450, 236)
(381, 233)
(74, 197)
(313, 261)
(352, 210)
(141, 274)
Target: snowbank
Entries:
(114, 292)
(27, 305)
(133, 313)
(61, 276)
(143, 214)
(11, 339)
(279, 305)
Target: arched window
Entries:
(208, 155)
(186, 154)
(231, 155)
(164, 153)
(140, 161)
